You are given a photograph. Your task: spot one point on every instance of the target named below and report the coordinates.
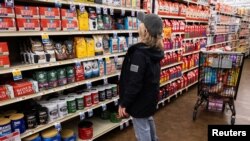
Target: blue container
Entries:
(51, 135)
(34, 137)
(18, 123)
(68, 135)
(5, 127)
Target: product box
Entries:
(22, 88)
(6, 92)
(129, 3)
(128, 23)
(7, 24)
(134, 23)
(4, 61)
(28, 24)
(4, 48)
(6, 11)
(49, 13)
(50, 25)
(27, 12)
(68, 14)
(69, 25)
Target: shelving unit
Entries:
(172, 50)
(192, 68)
(190, 53)
(171, 65)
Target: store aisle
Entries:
(174, 121)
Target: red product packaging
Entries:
(4, 48)
(6, 92)
(79, 72)
(69, 25)
(68, 14)
(49, 13)
(50, 25)
(6, 11)
(7, 24)
(4, 61)
(27, 12)
(22, 88)
(28, 24)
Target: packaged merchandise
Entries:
(68, 135)
(129, 41)
(108, 66)
(27, 12)
(98, 44)
(113, 45)
(4, 61)
(49, 13)
(123, 3)
(95, 69)
(129, 3)
(113, 66)
(61, 76)
(80, 47)
(128, 23)
(94, 96)
(122, 44)
(68, 14)
(52, 79)
(6, 92)
(49, 52)
(135, 23)
(70, 74)
(101, 67)
(5, 127)
(117, 2)
(7, 24)
(70, 51)
(18, 123)
(83, 20)
(119, 63)
(79, 72)
(71, 104)
(34, 137)
(22, 88)
(120, 24)
(50, 25)
(6, 11)
(107, 22)
(69, 25)
(105, 42)
(62, 107)
(87, 99)
(35, 51)
(60, 51)
(42, 79)
(90, 47)
(134, 2)
(85, 130)
(50, 135)
(88, 69)
(100, 25)
(28, 25)
(92, 19)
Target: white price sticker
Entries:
(123, 12)
(58, 3)
(116, 102)
(104, 107)
(127, 123)
(72, 7)
(98, 10)
(9, 3)
(82, 7)
(115, 35)
(45, 38)
(105, 11)
(157, 106)
(121, 126)
(163, 103)
(111, 11)
(89, 85)
(58, 126)
(82, 115)
(133, 13)
(90, 112)
(130, 34)
(105, 80)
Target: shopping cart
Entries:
(219, 78)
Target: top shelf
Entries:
(68, 2)
(193, 2)
(172, 17)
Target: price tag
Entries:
(163, 103)
(121, 126)
(82, 115)
(123, 12)
(89, 85)
(72, 7)
(98, 10)
(115, 35)
(127, 123)
(168, 100)
(45, 38)
(105, 11)
(9, 3)
(82, 7)
(90, 112)
(116, 102)
(58, 3)
(130, 34)
(111, 11)
(105, 80)
(104, 107)
(17, 74)
(133, 13)
(77, 63)
(58, 126)
(157, 106)
(181, 92)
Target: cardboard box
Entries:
(28, 24)
(49, 13)
(31, 12)
(7, 24)
(50, 25)
(6, 11)
(22, 88)
(69, 25)
(4, 61)
(69, 15)
(4, 48)
(6, 92)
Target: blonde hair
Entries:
(152, 42)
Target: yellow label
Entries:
(45, 36)
(17, 74)
(107, 59)
(167, 32)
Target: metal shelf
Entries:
(194, 38)
(193, 52)
(227, 14)
(221, 33)
(57, 63)
(195, 21)
(169, 81)
(68, 2)
(52, 33)
(184, 71)
(221, 43)
(171, 65)
(172, 50)
(65, 118)
(57, 89)
(172, 17)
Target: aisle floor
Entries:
(174, 120)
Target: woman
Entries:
(140, 78)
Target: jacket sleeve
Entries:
(135, 72)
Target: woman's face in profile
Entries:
(142, 31)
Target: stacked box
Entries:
(50, 19)
(69, 20)
(4, 55)
(7, 18)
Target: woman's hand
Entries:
(122, 112)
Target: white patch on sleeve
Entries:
(134, 68)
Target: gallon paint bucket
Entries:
(85, 130)
(18, 123)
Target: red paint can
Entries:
(85, 130)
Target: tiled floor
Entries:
(174, 121)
